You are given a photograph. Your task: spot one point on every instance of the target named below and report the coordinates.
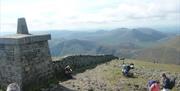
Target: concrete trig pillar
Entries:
(25, 59)
(22, 26)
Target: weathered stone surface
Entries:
(22, 26)
(25, 59)
(23, 39)
(10, 69)
(25, 64)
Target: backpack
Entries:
(150, 82)
(172, 82)
(169, 83)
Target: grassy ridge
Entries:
(143, 72)
(108, 77)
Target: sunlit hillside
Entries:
(108, 77)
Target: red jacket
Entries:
(155, 87)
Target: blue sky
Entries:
(89, 14)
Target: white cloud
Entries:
(59, 14)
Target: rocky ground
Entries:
(108, 77)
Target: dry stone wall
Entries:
(80, 61)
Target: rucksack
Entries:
(172, 82)
(150, 82)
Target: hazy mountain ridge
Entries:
(119, 33)
(72, 47)
(167, 52)
(118, 41)
(122, 42)
(145, 34)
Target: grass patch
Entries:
(150, 65)
(113, 73)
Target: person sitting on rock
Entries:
(13, 87)
(126, 70)
(68, 72)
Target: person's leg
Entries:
(126, 73)
(69, 76)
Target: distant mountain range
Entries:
(166, 52)
(137, 43)
(120, 33)
(72, 47)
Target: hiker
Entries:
(154, 85)
(68, 72)
(126, 70)
(13, 87)
(167, 83)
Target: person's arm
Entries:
(151, 87)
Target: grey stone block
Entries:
(23, 39)
(22, 26)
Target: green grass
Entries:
(150, 65)
(112, 72)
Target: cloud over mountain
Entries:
(80, 14)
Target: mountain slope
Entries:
(116, 36)
(119, 42)
(108, 77)
(147, 34)
(167, 52)
(73, 47)
(173, 42)
(135, 36)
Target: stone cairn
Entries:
(25, 59)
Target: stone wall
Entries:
(79, 61)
